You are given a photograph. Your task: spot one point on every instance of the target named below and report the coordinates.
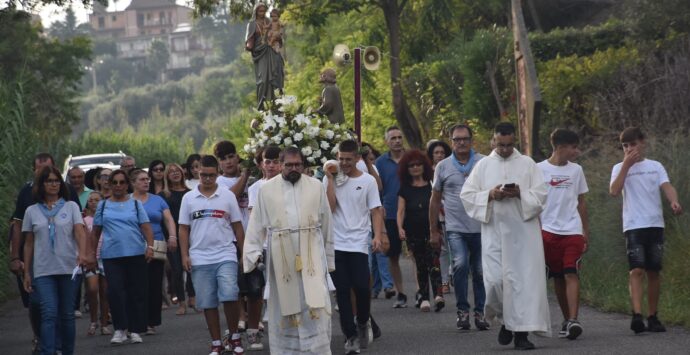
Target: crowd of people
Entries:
(289, 242)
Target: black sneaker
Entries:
(375, 329)
(480, 322)
(417, 300)
(564, 329)
(463, 320)
(573, 329)
(401, 302)
(521, 341)
(352, 346)
(389, 292)
(505, 336)
(637, 323)
(654, 325)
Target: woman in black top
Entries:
(174, 189)
(414, 170)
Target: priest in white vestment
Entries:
(292, 211)
(506, 192)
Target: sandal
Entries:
(181, 310)
(92, 329)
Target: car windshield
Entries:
(108, 159)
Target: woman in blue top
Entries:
(55, 245)
(126, 250)
(158, 212)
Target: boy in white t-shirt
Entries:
(639, 180)
(564, 225)
(210, 221)
(355, 203)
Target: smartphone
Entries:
(509, 186)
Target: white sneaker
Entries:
(77, 314)
(425, 307)
(352, 346)
(135, 338)
(254, 340)
(119, 337)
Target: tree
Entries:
(49, 71)
(68, 29)
(158, 57)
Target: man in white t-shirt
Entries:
(355, 204)
(210, 222)
(269, 163)
(639, 180)
(564, 225)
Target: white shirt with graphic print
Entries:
(565, 183)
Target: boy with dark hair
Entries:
(639, 180)
(209, 224)
(564, 225)
(355, 205)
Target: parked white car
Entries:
(88, 162)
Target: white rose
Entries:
(306, 151)
(311, 160)
(287, 141)
(298, 137)
(325, 145)
(277, 139)
(324, 160)
(316, 154)
(329, 134)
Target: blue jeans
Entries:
(378, 264)
(466, 250)
(56, 295)
(215, 284)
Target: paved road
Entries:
(405, 331)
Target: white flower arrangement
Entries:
(286, 124)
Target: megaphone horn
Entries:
(341, 54)
(372, 58)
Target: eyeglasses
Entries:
(52, 182)
(207, 176)
(158, 170)
(104, 176)
(293, 165)
(461, 139)
(118, 182)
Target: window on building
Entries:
(148, 16)
(140, 20)
(161, 17)
(113, 18)
(101, 22)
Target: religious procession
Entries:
(306, 227)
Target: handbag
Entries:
(160, 250)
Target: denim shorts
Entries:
(645, 247)
(215, 283)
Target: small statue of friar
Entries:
(331, 103)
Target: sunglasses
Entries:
(104, 176)
(414, 165)
(158, 170)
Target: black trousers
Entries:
(351, 273)
(127, 292)
(177, 282)
(155, 292)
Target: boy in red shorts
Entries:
(564, 225)
(641, 181)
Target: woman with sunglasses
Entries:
(159, 213)
(55, 243)
(415, 174)
(174, 189)
(157, 176)
(127, 248)
(102, 182)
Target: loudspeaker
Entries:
(372, 58)
(341, 54)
